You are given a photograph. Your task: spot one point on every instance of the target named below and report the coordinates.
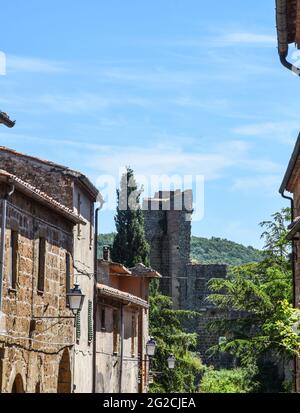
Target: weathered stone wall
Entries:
(57, 182)
(197, 292)
(47, 177)
(84, 262)
(108, 365)
(33, 348)
(168, 231)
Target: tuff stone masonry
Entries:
(168, 217)
(291, 184)
(73, 190)
(35, 353)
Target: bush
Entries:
(227, 381)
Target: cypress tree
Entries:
(130, 246)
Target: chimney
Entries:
(106, 253)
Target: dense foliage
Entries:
(239, 380)
(261, 295)
(222, 251)
(166, 327)
(129, 245)
(209, 251)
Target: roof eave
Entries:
(121, 296)
(40, 199)
(291, 166)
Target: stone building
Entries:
(168, 217)
(76, 192)
(122, 327)
(36, 353)
(291, 184)
(288, 32)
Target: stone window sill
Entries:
(12, 290)
(39, 292)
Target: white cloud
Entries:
(265, 184)
(34, 65)
(166, 158)
(225, 39)
(283, 132)
(248, 38)
(72, 104)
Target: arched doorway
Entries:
(64, 374)
(18, 387)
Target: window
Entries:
(78, 212)
(133, 334)
(42, 264)
(68, 272)
(78, 326)
(13, 259)
(103, 325)
(115, 331)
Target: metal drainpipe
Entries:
(95, 293)
(293, 275)
(2, 241)
(283, 46)
(122, 347)
(289, 65)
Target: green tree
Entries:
(166, 328)
(261, 296)
(130, 246)
(239, 380)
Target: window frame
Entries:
(116, 332)
(13, 259)
(42, 253)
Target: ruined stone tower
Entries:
(168, 230)
(168, 217)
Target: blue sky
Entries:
(169, 87)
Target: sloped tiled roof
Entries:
(142, 270)
(119, 295)
(40, 196)
(78, 175)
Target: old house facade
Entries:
(291, 184)
(122, 327)
(168, 217)
(36, 352)
(73, 190)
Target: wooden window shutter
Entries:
(78, 326)
(90, 322)
(41, 264)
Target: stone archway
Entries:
(18, 386)
(64, 374)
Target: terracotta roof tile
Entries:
(120, 295)
(40, 196)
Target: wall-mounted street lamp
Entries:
(75, 299)
(171, 361)
(150, 347)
